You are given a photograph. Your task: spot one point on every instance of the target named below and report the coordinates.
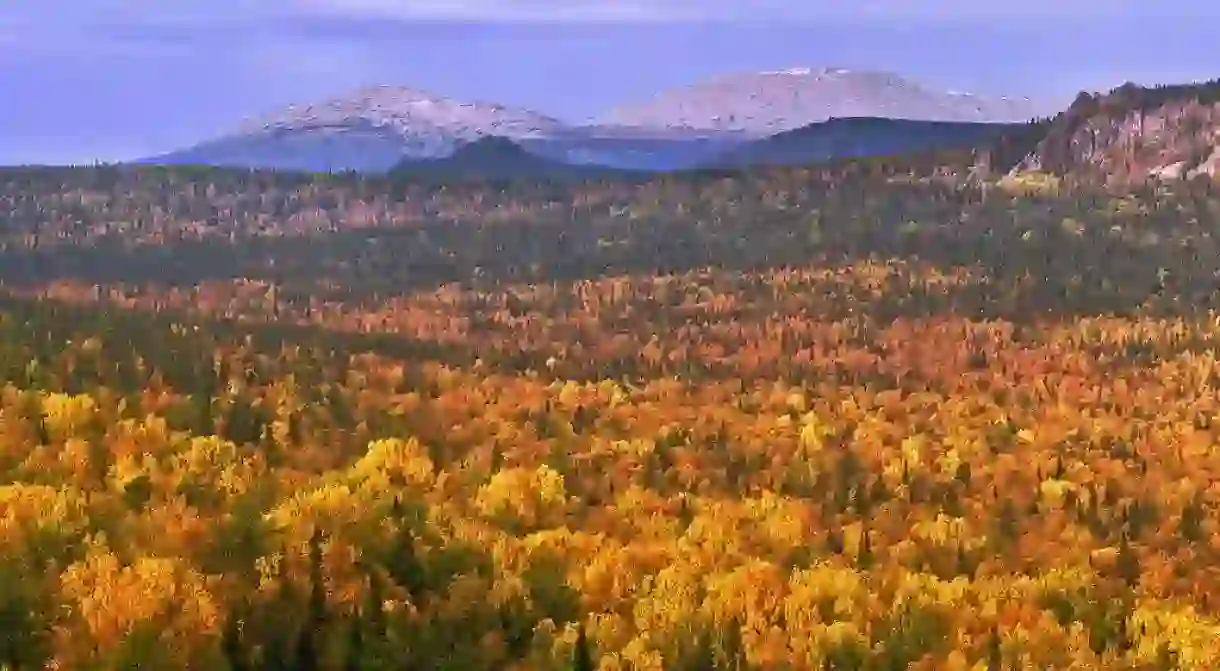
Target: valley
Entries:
(876, 394)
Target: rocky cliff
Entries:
(1128, 136)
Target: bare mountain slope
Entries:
(766, 103)
(410, 112)
(369, 129)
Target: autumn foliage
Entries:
(865, 462)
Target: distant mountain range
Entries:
(374, 129)
(799, 116)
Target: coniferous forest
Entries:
(869, 416)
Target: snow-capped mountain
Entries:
(370, 129)
(375, 128)
(430, 122)
(765, 103)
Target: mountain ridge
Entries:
(382, 124)
(405, 108)
(494, 158)
(850, 137)
(373, 128)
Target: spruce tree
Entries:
(231, 644)
(309, 640)
(732, 648)
(703, 656)
(582, 655)
(403, 563)
(864, 558)
(995, 653)
(1191, 525)
(375, 608)
(277, 652)
(1128, 563)
(355, 647)
(964, 565)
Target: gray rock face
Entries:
(1132, 135)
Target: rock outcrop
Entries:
(1130, 136)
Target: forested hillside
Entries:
(866, 416)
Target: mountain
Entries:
(370, 129)
(767, 103)
(499, 159)
(862, 136)
(1130, 135)
(375, 128)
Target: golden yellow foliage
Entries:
(107, 602)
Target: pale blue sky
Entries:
(116, 79)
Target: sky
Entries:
(107, 80)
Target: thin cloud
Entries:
(736, 10)
(503, 10)
(55, 16)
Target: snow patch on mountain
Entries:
(774, 101)
(369, 129)
(429, 125)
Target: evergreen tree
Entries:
(964, 565)
(1128, 563)
(23, 635)
(582, 654)
(40, 426)
(703, 656)
(294, 428)
(309, 641)
(375, 608)
(277, 652)
(863, 502)
(403, 563)
(864, 558)
(732, 648)
(1191, 526)
(963, 474)
(231, 644)
(203, 399)
(355, 647)
(880, 493)
(995, 653)
(834, 541)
